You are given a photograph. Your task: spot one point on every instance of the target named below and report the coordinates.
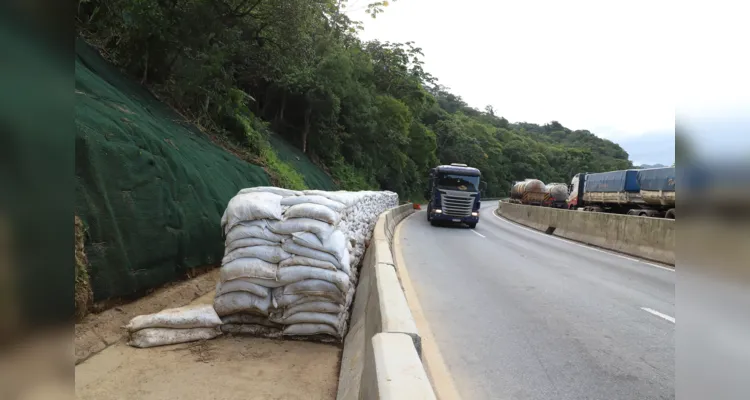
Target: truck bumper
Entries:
(451, 218)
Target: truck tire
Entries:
(670, 214)
(472, 225)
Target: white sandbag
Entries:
(295, 274)
(267, 283)
(272, 254)
(345, 262)
(241, 302)
(258, 222)
(313, 306)
(243, 318)
(224, 222)
(281, 300)
(249, 242)
(321, 229)
(314, 287)
(271, 189)
(290, 247)
(311, 318)
(248, 268)
(346, 198)
(152, 337)
(248, 232)
(253, 206)
(314, 211)
(313, 199)
(335, 244)
(251, 329)
(308, 239)
(310, 329)
(193, 316)
(242, 285)
(307, 261)
(320, 236)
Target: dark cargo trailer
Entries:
(649, 192)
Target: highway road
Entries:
(517, 314)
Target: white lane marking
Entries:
(658, 314)
(478, 233)
(583, 245)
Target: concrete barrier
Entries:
(382, 351)
(394, 375)
(650, 238)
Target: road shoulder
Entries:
(437, 371)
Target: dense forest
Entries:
(367, 112)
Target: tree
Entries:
(368, 112)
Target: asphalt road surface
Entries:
(517, 314)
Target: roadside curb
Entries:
(376, 361)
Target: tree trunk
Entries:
(306, 131)
(145, 69)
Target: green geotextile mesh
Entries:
(150, 188)
(314, 176)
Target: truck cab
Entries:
(454, 194)
(575, 198)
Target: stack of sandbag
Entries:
(173, 326)
(290, 259)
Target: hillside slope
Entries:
(150, 187)
(368, 112)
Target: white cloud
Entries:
(603, 66)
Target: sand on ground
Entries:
(227, 367)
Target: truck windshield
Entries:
(458, 182)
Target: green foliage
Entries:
(283, 174)
(368, 112)
(349, 178)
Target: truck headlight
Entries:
(438, 211)
(474, 214)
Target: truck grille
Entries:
(458, 206)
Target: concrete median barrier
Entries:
(650, 238)
(377, 363)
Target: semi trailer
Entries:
(646, 192)
(556, 196)
(530, 191)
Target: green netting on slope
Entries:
(150, 187)
(315, 177)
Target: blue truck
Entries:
(646, 192)
(454, 194)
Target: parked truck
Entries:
(647, 192)
(530, 192)
(453, 194)
(556, 196)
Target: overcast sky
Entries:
(598, 65)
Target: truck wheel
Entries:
(670, 214)
(472, 225)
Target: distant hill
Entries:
(647, 166)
